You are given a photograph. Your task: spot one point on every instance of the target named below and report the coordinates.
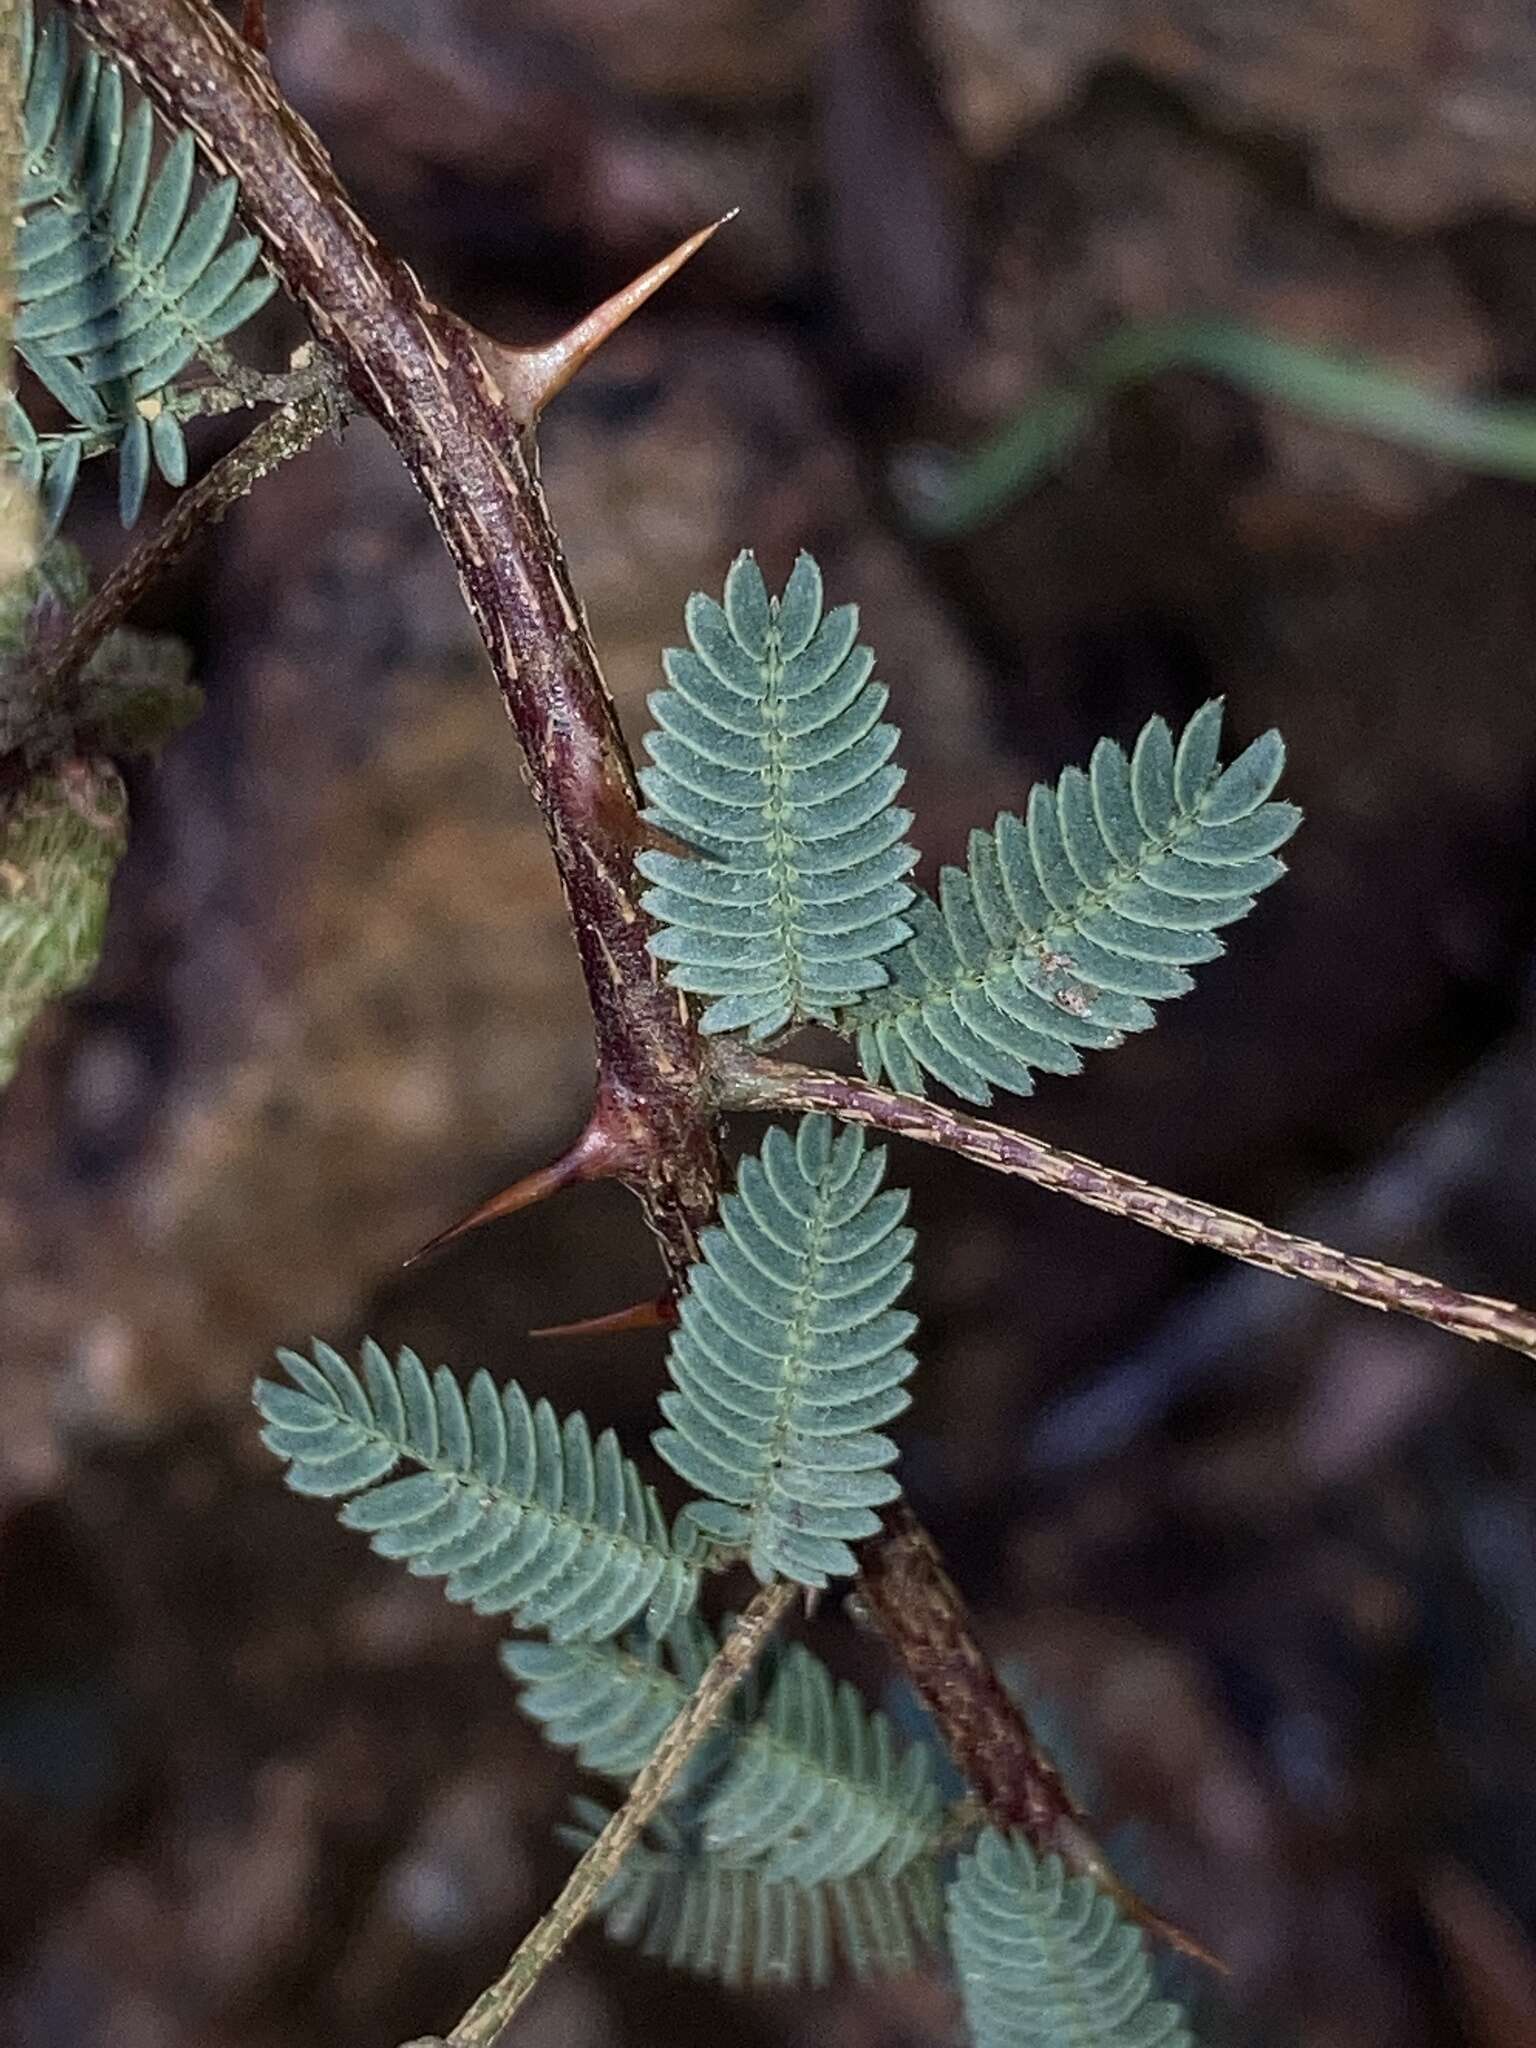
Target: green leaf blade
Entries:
(788, 1354)
(1045, 1960)
(505, 1505)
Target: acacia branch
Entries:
(906, 1590)
(416, 369)
(418, 372)
(749, 1081)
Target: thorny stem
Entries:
(906, 1591)
(283, 435)
(749, 1081)
(418, 371)
(483, 2022)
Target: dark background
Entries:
(1272, 1559)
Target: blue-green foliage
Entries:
(1046, 1960)
(789, 1355)
(1069, 923)
(521, 1514)
(801, 1826)
(738, 1925)
(123, 275)
(809, 1785)
(772, 760)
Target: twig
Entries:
(748, 1081)
(906, 1591)
(483, 2022)
(275, 441)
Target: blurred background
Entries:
(1271, 1559)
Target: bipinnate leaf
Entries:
(1046, 1960)
(736, 1924)
(807, 1783)
(124, 273)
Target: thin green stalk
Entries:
(1492, 436)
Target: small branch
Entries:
(911, 1599)
(483, 2022)
(236, 383)
(275, 441)
(748, 1081)
(417, 370)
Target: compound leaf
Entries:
(1067, 924)
(1046, 1960)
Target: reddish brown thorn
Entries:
(1084, 1856)
(528, 378)
(253, 24)
(596, 1155)
(652, 838)
(660, 1314)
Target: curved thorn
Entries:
(528, 378)
(660, 1314)
(596, 1155)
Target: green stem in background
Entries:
(485, 2019)
(748, 1081)
(1493, 436)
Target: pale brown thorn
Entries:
(253, 25)
(660, 1314)
(596, 1155)
(528, 378)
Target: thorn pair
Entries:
(528, 378)
(598, 1154)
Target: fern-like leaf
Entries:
(1046, 1960)
(1066, 925)
(738, 1926)
(788, 1355)
(523, 1515)
(771, 759)
(123, 275)
(809, 1788)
